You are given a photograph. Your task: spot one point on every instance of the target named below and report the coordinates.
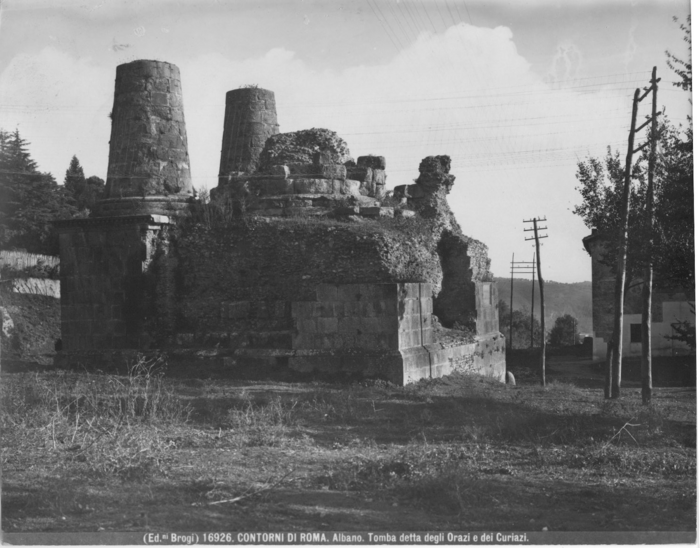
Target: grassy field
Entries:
(88, 452)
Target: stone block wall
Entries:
(106, 293)
(486, 307)
(368, 316)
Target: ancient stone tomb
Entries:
(303, 263)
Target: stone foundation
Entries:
(361, 330)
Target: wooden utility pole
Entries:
(510, 342)
(532, 306)
(614, 365)
(515, 266)
(537, 239)
(649, 270)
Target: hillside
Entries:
(560, 299)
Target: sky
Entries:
(515, 92)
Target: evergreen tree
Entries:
(74, 181)
(83, 192)
(29, 199)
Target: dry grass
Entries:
(456, 452)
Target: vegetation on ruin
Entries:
(298, 147)
(96, 452)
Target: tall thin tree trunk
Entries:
(649, 270)
(616, 362)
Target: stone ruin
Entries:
(303, 262)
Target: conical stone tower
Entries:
(251, 117)
(149, 166)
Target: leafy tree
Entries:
(565, 331)
(521, 326)
(681, 67)
(601, 185)
(29, 199)
(684, 331)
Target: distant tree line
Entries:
(30, 199)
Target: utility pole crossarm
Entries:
(640, 147)
(643, 125)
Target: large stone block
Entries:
(313, 186)
(348, 186)
(376, 212)
(349, 324)
(362, 174)
(374, 162)
(378, 176)
(327, 325)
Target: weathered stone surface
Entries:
(354, 210)
(281, 171)
(377, 211)
(312, 186)
(148, 144)
(250, 119)
(374, 162)
(435, 174)
(349, 187)
(271, 187)
(362, 174)
(409, 191)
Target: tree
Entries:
(674, 245)
(83, 192)
(29, 199)
(684, 69)
(522, 326)
(75, 179)
(564, 332)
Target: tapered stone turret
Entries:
(149, 165)
(251, 117)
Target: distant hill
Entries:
(559, 298)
